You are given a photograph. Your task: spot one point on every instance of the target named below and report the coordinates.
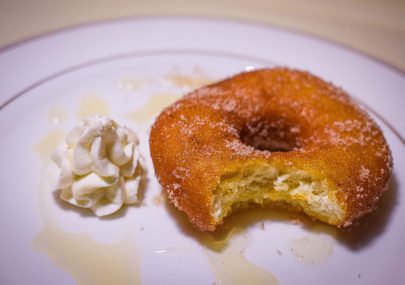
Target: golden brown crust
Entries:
(215, 128)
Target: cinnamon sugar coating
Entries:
(286, 120)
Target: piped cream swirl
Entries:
(99, 166)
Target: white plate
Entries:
(129, 69)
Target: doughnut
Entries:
(279, 138)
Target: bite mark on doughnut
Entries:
(268, 185)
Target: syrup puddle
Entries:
(131, 84)
(155, 104)
(166, 250)
(312, 249)
(92, 105)
(56, 115)
(88, 261)
(191, 82)
(46, 146)
(174, 78)
(231, 266)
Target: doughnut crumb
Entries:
(267, 185)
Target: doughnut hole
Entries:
(276, 135)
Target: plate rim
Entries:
(195, 19)
(120, 56)
(201, 18)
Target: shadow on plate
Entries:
(355, 237)
(370, 227)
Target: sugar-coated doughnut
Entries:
(276, 137)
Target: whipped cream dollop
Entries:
(99, 166)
